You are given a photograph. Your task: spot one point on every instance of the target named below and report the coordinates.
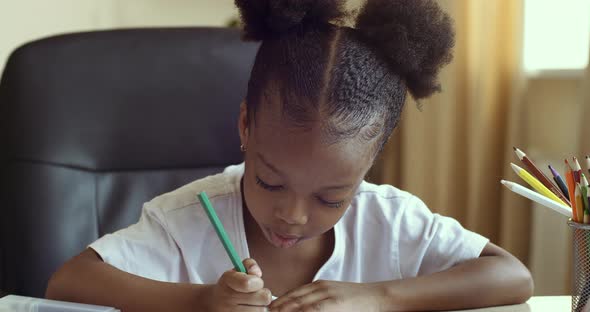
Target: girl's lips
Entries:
(286, 236)
(283, 240)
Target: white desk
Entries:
(535, 304)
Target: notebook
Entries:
(12, 303)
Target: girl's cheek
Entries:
(264, 204)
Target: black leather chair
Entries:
(96, 123)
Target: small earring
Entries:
(242, 148)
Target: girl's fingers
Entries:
(252, 267)
(316, 301)
(260, 298)
(299, 296)
(241, 282)
(250, 309)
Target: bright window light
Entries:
(556, 35)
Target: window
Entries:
(556, 36)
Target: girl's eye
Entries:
(268, 187)
(331, 204)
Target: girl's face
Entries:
(297, 187)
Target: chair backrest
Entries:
(94, 124)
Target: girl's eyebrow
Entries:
(278, 172)
(337, 187)
(271, 167)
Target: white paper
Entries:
(14, 303)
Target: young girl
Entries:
(322, 101)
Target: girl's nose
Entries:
(294, 212)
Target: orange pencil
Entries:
(567, 165)
(571, 186)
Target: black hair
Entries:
(353, 80)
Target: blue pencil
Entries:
(557, 178)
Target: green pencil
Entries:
(229, 248)
(584, 189)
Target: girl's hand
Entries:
(236, 291)
(330, 296)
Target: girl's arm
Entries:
(87, 279)
(495, 278)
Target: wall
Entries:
(554, 107)
(25, 20)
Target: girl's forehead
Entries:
(271, 122)
(307, 144)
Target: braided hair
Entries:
(352, 81)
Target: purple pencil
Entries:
(560, 183)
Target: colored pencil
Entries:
(559, 180)
(538, 198)
(540, 175)
(567, 164)
(588, 163)
(571, 185)
(584, 191)
(532, 181)
(579, 203)
(577, 170)
(221, 233)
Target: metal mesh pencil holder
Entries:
(581, 266)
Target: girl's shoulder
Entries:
(385, 202)
(370, 191)
(217, 186)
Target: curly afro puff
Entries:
(265, 19)
(415, 36)
(351, 81)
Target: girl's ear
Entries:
(243, 124)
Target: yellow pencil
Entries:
(580, 203)
(580, 213)
(536, 184)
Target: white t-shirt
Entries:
(386, 234)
